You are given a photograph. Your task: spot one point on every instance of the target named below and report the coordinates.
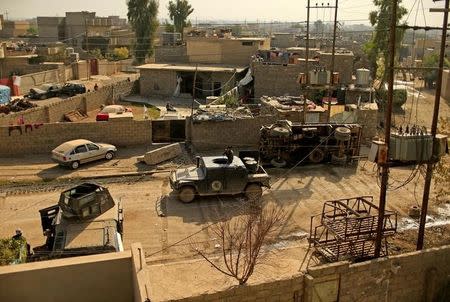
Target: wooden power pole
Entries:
(387, 131)
(437, 100)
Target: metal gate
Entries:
(168, 131)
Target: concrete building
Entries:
(11, 29)
(51, 29)
(283, 40)
(162, 79)
(234, 51)
(75, 25)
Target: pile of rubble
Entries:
(16, 106)
(290, 103)
(220, 113)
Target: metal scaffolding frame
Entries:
(346, 229)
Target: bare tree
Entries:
(242, 238)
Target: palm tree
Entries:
(179, 11)
(142, 15)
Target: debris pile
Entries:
(290, 103)
(220, 113)
(16, 106)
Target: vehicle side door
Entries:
(235, 179)
(95, 152)
(82, 154)
(215, 180)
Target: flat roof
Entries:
(200, 68)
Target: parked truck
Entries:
(285, 143)
(85, 221)
(215, 175)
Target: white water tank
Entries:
(69, 51)
(314, 77)
(362, 77)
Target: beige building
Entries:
(51, 29)
(162, 79)
(283, 40)
(12, 29)
(233, 51)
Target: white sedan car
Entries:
(80, 151)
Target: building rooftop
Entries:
(184, 67)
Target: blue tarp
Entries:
(5, 94)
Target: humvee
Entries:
(215, 176)
(85, 221)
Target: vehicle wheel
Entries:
(42, 97)
(342, 134)
(109, 155)
(280, 131)
(253, 192)
(74, 165)
(316, 156)
(278, 162)
(186, 194)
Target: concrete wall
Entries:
(90, 278)
(55, 111)
(55, 75)
(107, 277)
(157, 82)
(445, 92)
(240, 133)
(276, 80)
(44, 138)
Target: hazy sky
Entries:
(238, 10)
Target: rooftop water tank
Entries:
(5, 94)
(362, 77)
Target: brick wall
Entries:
(55, 111)
(276, 80)
(217, 135)
(46, 137)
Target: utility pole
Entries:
(194, 87)
(307, 59)
(437, 100)
(333, 53)
(387, 132)
(87, 49)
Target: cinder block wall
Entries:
(239, 133)
(46, 137)
(276, 80)
(54, 112)
(411, 277)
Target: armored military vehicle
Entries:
(85, 221)
(215, 175)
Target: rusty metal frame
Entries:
(347, 228)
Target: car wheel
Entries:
(253, 192)
(186, 194)
(316, 156)
(109, 155)
(74, 165)
(278, 162)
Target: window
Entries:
(81, 149)
(247, 43)
(93, 147)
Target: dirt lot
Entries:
(157, 220)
